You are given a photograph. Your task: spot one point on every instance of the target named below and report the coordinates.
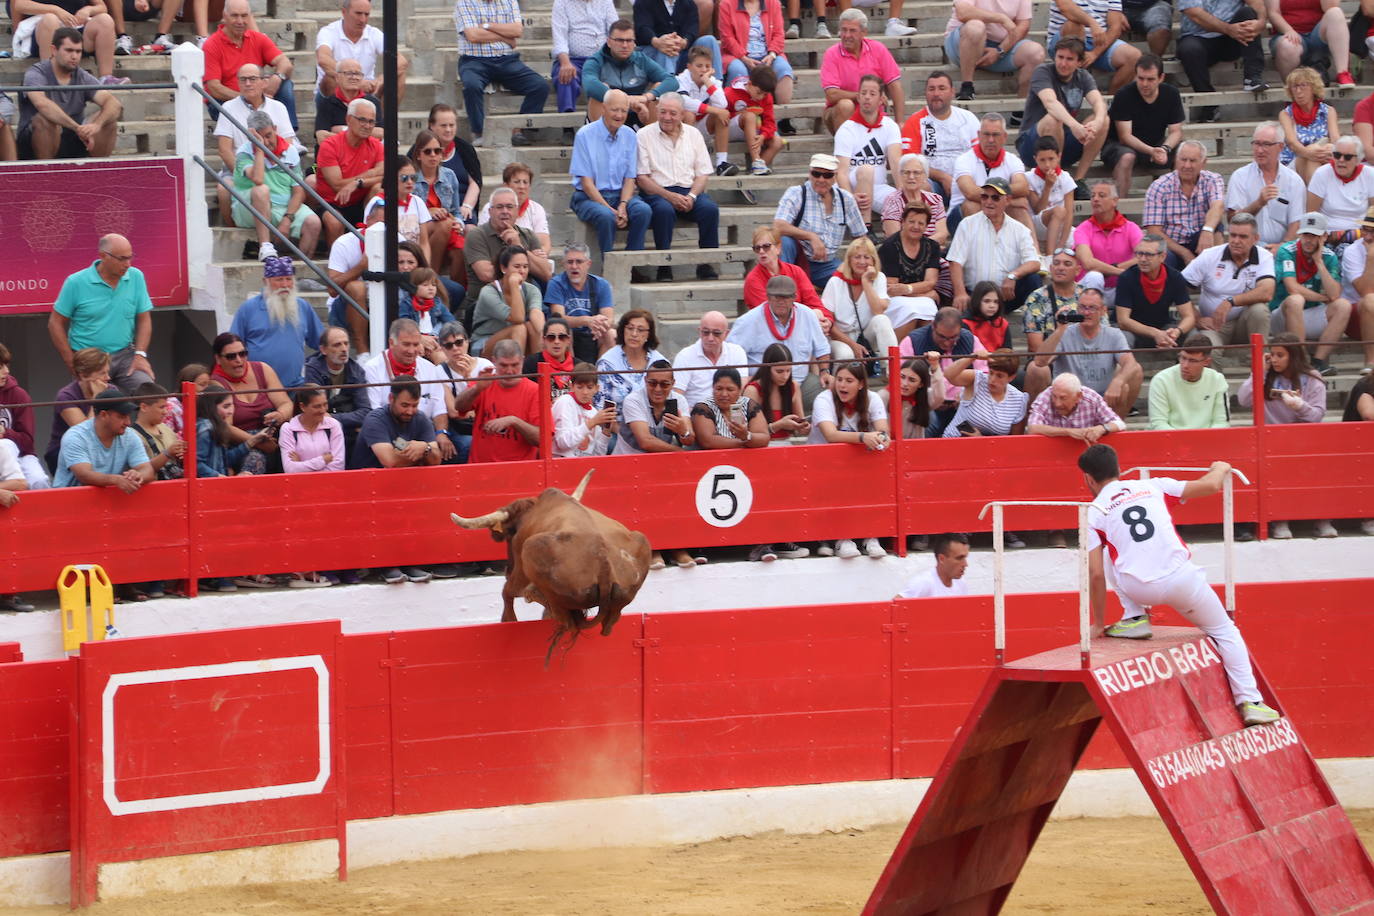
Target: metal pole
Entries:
(999, 610)
(1228, 534)
(390, 144)
(1085, 632)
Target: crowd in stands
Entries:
(937, 233)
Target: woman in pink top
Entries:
(311, 440)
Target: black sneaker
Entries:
(966, 92)
(1207, 115)
(1081, 192)
(707, 272)
(520, 138)
(664, 275)
(1015, 118)
(786, 128)
(1323, 367)
(1254, 85)
(250, 251)
(14, 603)
(727, 168)
(641, 275)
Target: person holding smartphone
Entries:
(650, 420)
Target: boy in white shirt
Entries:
(946, 579)
(1153, 566)
(705, 105)
(1051, 197)
(579, 428)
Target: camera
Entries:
(1067, 317)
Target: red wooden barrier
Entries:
(281, 523)
(204, 741)
(470, 717)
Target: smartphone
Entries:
(737, 413)
(965, 428)
(670, 406)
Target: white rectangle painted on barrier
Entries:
(314, 786)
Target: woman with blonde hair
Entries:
(867, 322)
(1310, 126)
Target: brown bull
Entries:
(568, 558)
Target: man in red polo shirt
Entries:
(235, 44)
(506, 425)
(349, 167)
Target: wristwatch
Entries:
(1010, 276)
(142, 353)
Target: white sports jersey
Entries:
(940, 141)
(864, 146)
(928, 585)
(1133, 520)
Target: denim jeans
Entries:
(820, 271)
(602, 219)
(567, 94)
(510, 71)
(704, 213)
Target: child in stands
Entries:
(704, 105)
(1051, 200)
(750, 103)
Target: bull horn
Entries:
(490, 520)
(582, 487)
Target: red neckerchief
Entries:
(219, 370)
(1353, 175)
(858, 118)
(523, 207)
(282, 146)
(1153, 287)
(1045, 178)
(1305, 118)
(338, 94)
(1114, 223)
(773, 322)
(398, 368)
(1304, 268)
(422, 305)
(448, 150)
(401, 204)
(565, 365)
(990, 163)
(842, 276)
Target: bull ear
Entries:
(582, 487)
(490, 520)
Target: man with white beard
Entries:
(277, 326)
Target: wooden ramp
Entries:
(1248, 807)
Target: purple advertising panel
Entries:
(55, 213)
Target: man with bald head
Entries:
(331, 114)
(237, 43)
(605, 164)
(107, 306)
(694, 366)
(1067, 408)
(673, 170)
(349, 167)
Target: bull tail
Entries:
(556, 638)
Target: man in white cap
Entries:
(1307, 290)
(812, 219)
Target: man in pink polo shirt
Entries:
(1105, 241)
(846, 63)
(236, 43)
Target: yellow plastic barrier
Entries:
(87, 601)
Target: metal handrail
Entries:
(275, 160)
(89, 88)
(281, 237)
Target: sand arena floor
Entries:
(1104, 867)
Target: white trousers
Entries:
(33, 469)
(879, 333)
(1186, 591)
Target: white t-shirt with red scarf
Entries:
(971, 163)
(1344, 203)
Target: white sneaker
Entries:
(124, 45)
(825, 549)
(477, 140)
(822, 30)
(164, 42)
(267, 250)
(1280, 531)
(874, 549)
(793, 31)
(846, 549)
(759, 167)
(1325, 529)
(896, 28)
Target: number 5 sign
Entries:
(724, 496)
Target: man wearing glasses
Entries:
(1106, 240)
(991, 246)
(695, 366)
(586, 300)
(349, 168)
(1271, 192)
(1235, 282)
(812, 219)
(107, 306)
(948, 337)
(1148, 294)
(331, 115)
(1342, 190)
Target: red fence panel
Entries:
(136, 537)
(365, 693)
(478, 720)
(204, 741)
(1318, 470)
(768, 696)
(35, 756)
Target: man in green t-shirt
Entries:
(271, 189)
(1308, 290)
(107, 306)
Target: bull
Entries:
(568, 558)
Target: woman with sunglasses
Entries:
(437, 188)
(768, 264)
(259, 409)
(557, 352)
(412, 216)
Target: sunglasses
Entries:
(558, 337)
(658, 384)
(1068, 251)
(1346, 157)
(820, 173)
(239, 354)
(432, 151)
(766, 246)
(712, 332)
(454, 344)
(410, 179)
